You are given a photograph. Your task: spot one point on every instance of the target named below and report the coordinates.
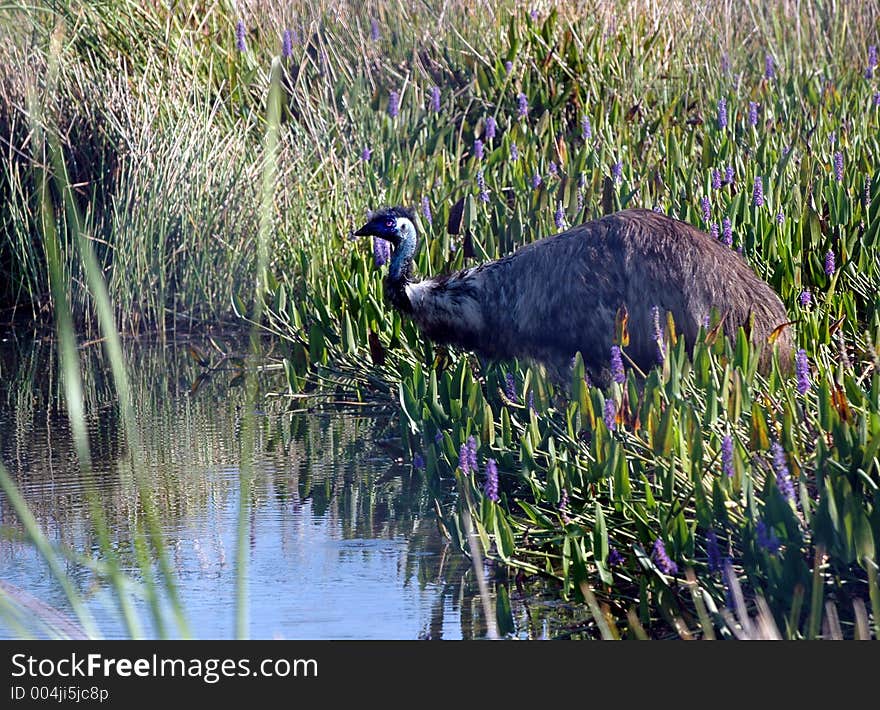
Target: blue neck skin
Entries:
(401, 261)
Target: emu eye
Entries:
(389, 223)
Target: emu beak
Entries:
(363, 231)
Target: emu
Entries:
(561, 294)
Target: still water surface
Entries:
(342, 538)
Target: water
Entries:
(342, 537)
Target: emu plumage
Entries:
(561, 294)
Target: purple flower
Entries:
(725, 63)
(559, 217)
(658, 335)
(381, 251)
(769, 67)
(617, 373)
(707, 209)
(617, 171)
(780, 218)
(716, 179)
(753, 113)
(533, 13)
(522, 103)
(727, 456)
(658, 209)
(563, 506)
(532, 402)
(239, 36)
(418, 462)
(610, 414)
(374, 29)
(829, 263)
(728, 175)
(366, 153)
(490, 128)
(872, 61)
(715, 559)
(393, 104)
(614, 557)
(508, 66)
(472, 453)
(478, 149)
(666, 565)
(726, 232)
(435, 99)
(481, 185)
(438, 437)
(426, 210)
(713, 230)
(586, 129)
(553, 169)
(805, 298)
(802, 367)
(722, 114)
(464, 460)
(510, 388)
(758, 192)
(287, 44)
(514, 152)
(780, 468)
(491, 486)
(832, 138)
(838, 166)
(536, 181)
(767, 538)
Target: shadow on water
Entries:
(343, 538)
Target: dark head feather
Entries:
(398, 211)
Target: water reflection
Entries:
(343, 542)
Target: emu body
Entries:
(560, 295)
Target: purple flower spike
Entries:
(767, 539)
(666, 565)
(722, 114)
(872, 61)
(838, 166)
(553, 169)
(508, 66)
(725, 63)
(716, 179)
(381, 251)
(729, 175)
(758, 192)
(478, 149)
(753, 114)
(522, 105)
(435, 99)
(366, 153)
(610, 414)
(287, 45)
(805, 298)
(510, 388)
(617, 372)
(727, 456)
(726, 232)
(617, 171)
(707, 209)
(393, 104)
(802, 367)
(464, 460)
(374, 29)
(780, 218)
(481, 185)
(536, 181)
(490, 129)
(514, 152)
(491, 486)
(586, 129)
(559, 217)
(713, 552)
(418, 462)
(713, 230)
(240, 43)
(614, 557)
(829, 263)
(780, 468)
(769, 67)
(563, 507)
(426, 210)
(877, 99)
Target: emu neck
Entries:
(400, 269)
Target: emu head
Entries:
(392, 224)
